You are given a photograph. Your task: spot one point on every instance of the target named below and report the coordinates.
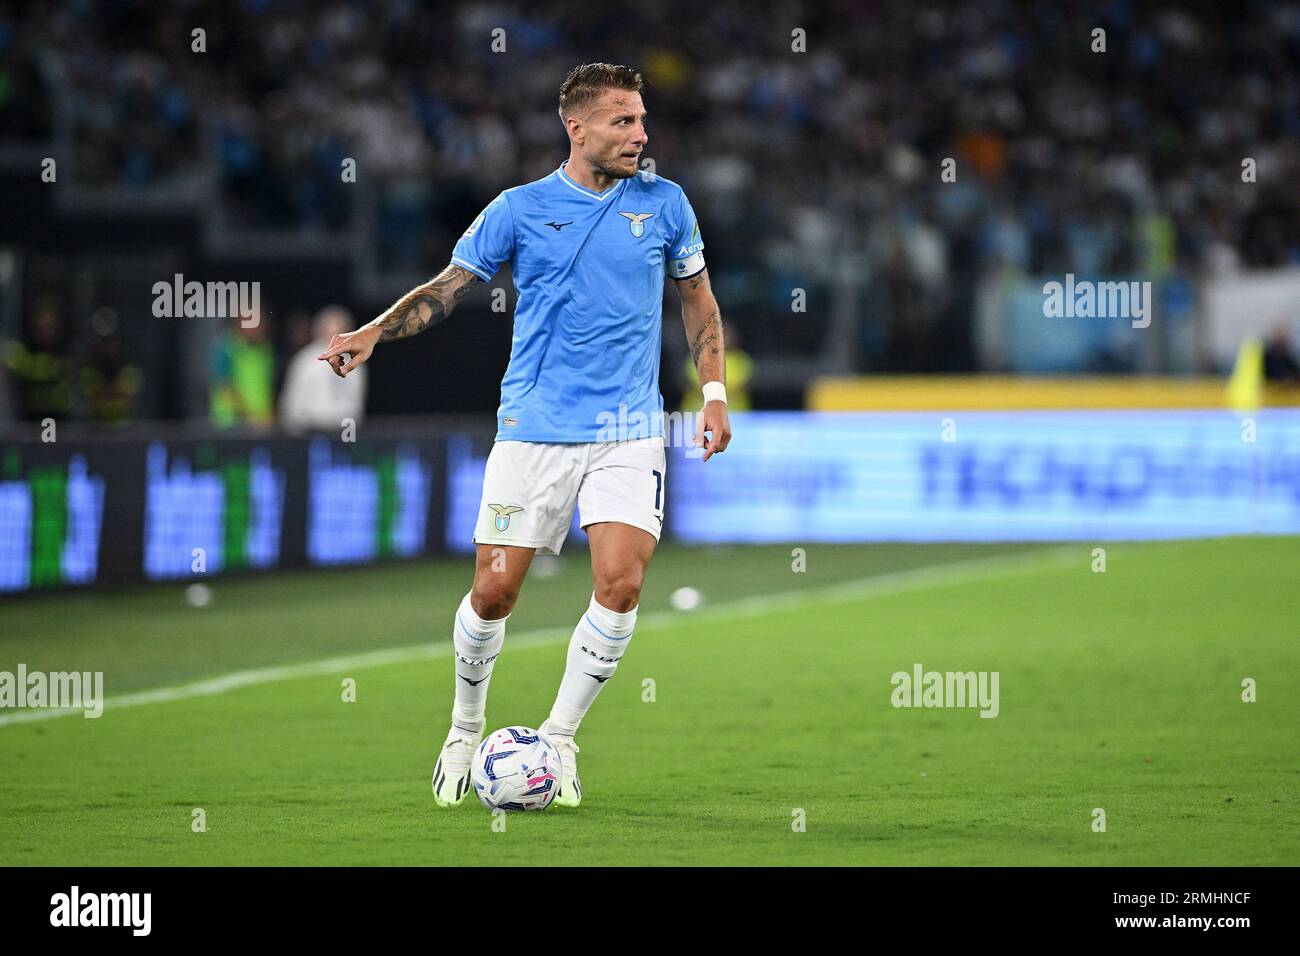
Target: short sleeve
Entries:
(488, 242)
(686, 256)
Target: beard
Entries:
(618, 172)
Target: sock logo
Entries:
(597, 677)
(472, 683)
(604, 660)
(476, 663)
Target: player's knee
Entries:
(493, 600)
(619, 592)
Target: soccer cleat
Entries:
(451, 772)
(570, 792)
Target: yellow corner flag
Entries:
(1246, 386)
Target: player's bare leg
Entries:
(620, 555)
(478, 634)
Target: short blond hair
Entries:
(586, 82)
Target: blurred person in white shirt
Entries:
(311, 401)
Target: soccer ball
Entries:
(515, 768)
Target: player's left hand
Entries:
(713, 419)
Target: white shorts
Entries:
(530, 489)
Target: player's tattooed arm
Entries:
(423, 306)
(703, 321)
(706, 349)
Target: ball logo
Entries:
(503, 512)
(516, 768)
(636, 221)
(540, 780)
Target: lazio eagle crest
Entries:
(503, 512)
(636, 221)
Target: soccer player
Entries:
(588, 247)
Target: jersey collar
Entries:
(599, 197)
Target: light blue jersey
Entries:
(589, 269)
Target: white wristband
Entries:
(715, 392)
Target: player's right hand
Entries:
(349, 349)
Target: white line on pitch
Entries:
(881, 585)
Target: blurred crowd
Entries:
(815, 167)
(57, 372)
(255, 379)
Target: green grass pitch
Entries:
(1119, 690)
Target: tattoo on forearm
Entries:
(426, 305)
(708, 340)
(411, 315)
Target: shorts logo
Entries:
(636, 221)
(503, 512)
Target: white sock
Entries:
(598, 643)
(477, 642)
